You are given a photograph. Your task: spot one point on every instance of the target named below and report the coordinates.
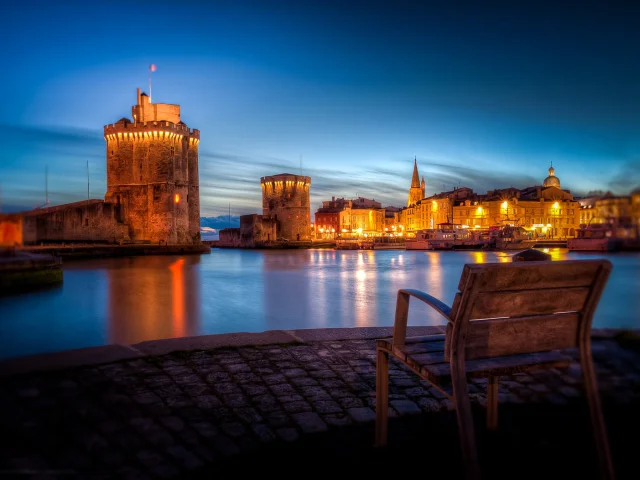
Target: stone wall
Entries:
(229, 237)
(256, 230)
(87, 221)
(285, 198)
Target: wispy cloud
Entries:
(233, 178)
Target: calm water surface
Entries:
(144, 298)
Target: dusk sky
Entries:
(483, 97)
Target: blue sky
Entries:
(484, 97)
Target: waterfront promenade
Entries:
(293, 403)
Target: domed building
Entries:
(551, 180)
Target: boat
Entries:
(347, 244)
(605, 237)
(510, 238)
(354, 244)
(388, 243)
(448, 236)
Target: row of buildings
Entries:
(548, 210)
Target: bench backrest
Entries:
(525, 307)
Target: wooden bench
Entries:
(506, 318)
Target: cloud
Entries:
(233, 178)
(627, 177)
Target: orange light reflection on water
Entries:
(177, 300)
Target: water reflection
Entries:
(132, 300)
(286, 290)
(152, 297)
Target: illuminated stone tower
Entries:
(152, 173)
(285, 198)
(416, 191)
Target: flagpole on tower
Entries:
(152, 68)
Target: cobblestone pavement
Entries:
(165, 416)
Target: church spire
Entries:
(415, 180)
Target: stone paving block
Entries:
(179, 401)
(326, 406)
(207, 401)
(266, 403)
(226, 388)
(218, 377)
(290, 398)
(168, 390)
(235, 400)
(197, 389)
(253, 389)
(362, 414)
(405, 407)
(187, 378)
(237, 368)
(310, 422)
(146, 398)
(337, 419)
(350, 402)
(282, 389)
(274, 379)
(294, 372)
(247, 377)
(248, 415)
(278, 419)
(263, 432)
(296, 407)
(332, 383)
(303, 381)
(429, 404)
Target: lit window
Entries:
(176, 198)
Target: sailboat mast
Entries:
(46, 185)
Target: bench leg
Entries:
(492, 403)
(382, 398)
(465, 422)
(595, 410)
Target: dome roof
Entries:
(551, 180)
(635, 191)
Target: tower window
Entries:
(173, 150)
(140, 165)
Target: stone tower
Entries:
(152, 173)
(416, 191)
(285, 198)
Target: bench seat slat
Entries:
(432, 365)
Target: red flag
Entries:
(152, 67)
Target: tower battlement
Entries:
(285, 198)
(160, 130)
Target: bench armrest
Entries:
(402, 312)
